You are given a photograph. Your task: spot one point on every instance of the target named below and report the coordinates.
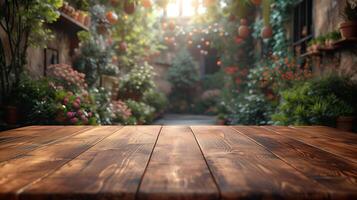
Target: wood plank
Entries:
(338, 175)
(321, 139)
(329, 133)
(112, 169)
(177, 169)
(20, 172)
(245, 170)
(18, 142)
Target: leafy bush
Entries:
(156, 99)
(104, 108)
(213, 81)
(76, 109)
(139, 79)
(142, 112)
(35, 100)
(183, 73)
(318, 101)
(250, 109)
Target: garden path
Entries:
(186, 119)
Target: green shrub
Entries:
(35, 100)
(142, 112)
(139, 79)
(104, 111)
(250, 109)
(156, 99)
(183, 74)
(317, 102)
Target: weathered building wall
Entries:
(327, 17)
(36, 56)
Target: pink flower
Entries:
(90, 114)
(74, 120)
(76, 105)
(65, 100)
(70, 114)
(84, 119)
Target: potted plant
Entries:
(320, 42)
(313, 46)
(348, 28)
(345, 119)
(331, 38)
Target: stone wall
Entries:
(327, 17)
(36, 56)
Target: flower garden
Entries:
(233, 59)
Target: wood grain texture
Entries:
(325, 139)
(177, 162)
(18, 173)
(112, 169)
(335, 173)
(245, 170)
(177, 169)
(17, 142)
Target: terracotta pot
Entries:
(348, 29)
(243, 31)
(81, 17)
(267, 32)
(129, 7)
(345, 123)
(11, 116)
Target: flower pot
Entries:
(345, 123)
(348, 29)
(11, 116)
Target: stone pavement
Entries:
(186, 119)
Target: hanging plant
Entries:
(243, 29)
(129, 7)
(256, 2)
(267, 31)
(111, 17)
(146, 3)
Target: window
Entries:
(303, 26)
(51, 57)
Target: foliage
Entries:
(156, 99)
(350, 11)
(142, 112)
(139, 79)
(35, 100)
(318, 101)
(76, 109)
(213, 81)
(250, 109)
(41, 102)
(95, 56)
(208, 101)
(183, 74)
(104, 108)
(23, 25)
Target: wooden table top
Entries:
(177, 162)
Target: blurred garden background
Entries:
(108, 62)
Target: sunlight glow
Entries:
(188, 9)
